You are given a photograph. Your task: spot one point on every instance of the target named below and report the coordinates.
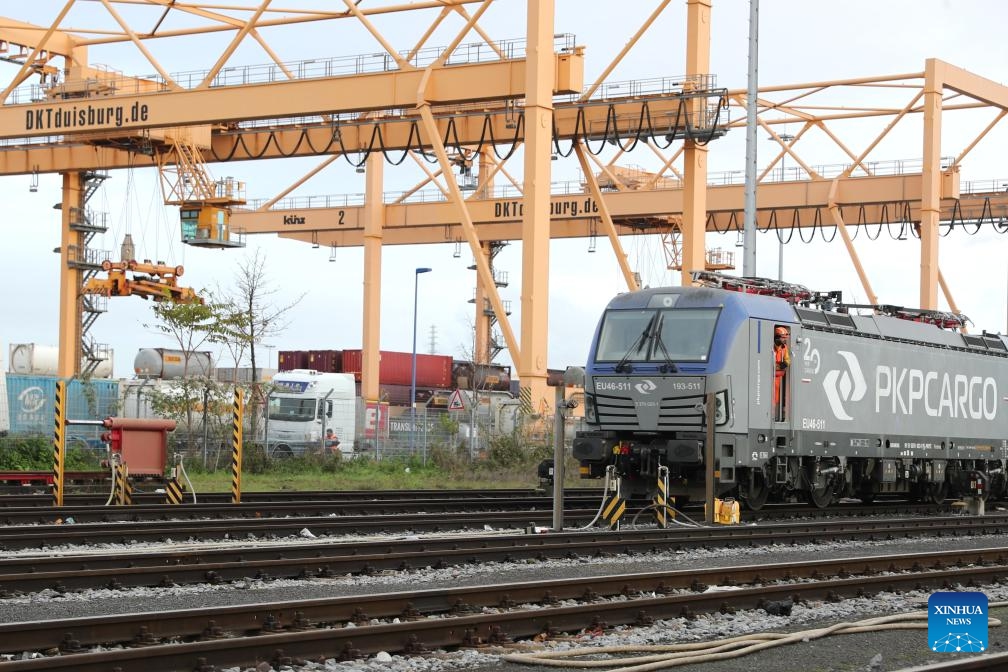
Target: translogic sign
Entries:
(957, 622)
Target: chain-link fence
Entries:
(203, 409)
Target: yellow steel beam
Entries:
(72, 250)
(536, 238)
(887, 198)
(694, 253)
(373, 216)
(931, 185)
(483, 123)
(30, 36)
(119, 114)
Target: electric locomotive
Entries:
(895, 402)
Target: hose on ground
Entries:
(664, 656)
(605, 498)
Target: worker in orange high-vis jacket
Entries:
(782, 360)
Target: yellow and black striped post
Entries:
(127, 487)
(613, 511)
(237, 414)
(660, 500)
(122, 488)
(59, 443)
(173, 491)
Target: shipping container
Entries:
(31, 402)
(325, 361)
(396, 368)
(398, 395)
(167, 364)
(33, 359)
(242, 374)
(293, 359)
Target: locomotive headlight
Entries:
(721, 408)
(590, 412)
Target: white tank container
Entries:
(32, 359)
(169, 364)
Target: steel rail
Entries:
(317, 628)
(363, 557)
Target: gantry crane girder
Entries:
(599, 119)
(868, 199)
(123, 112)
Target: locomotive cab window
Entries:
(657, 335)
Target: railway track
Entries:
(193, 565)
(45, 500)
(417, 621)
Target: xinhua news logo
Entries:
(957, 622)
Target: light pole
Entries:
(416, 283)
(785, 138)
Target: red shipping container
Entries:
(325, 361)
(288, 360)
(396, 368)
(398, 395)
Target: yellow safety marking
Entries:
(120, 484)
(127, 487)
(659, 503)
(59, 443)
(173, 491)
(614, 510)
(236, 446)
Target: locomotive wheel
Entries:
(937, 492)
(821, 497)
(757, 493)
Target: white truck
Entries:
(304, 405)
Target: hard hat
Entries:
(781, 331)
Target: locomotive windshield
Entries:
(657, 335)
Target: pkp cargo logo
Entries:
(645, 386)
(843, 386)
(957, 622)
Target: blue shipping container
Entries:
(32, 400)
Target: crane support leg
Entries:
(72, 244)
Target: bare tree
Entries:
(252, 316)
(191, 325)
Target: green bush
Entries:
(35, 453)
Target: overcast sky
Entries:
(800, 41)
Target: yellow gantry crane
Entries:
(457, 107)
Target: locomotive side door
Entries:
(761, 376)
(781, 367)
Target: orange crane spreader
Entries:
(151, 281)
